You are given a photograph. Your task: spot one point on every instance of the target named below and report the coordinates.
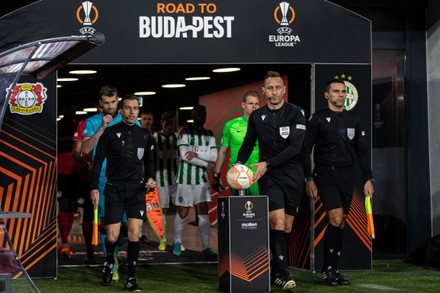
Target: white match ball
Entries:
(239, 177)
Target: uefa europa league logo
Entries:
(87, 6)
(284, 7)
(86, 21)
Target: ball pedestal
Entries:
(243, 244)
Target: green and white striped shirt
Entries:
(166, 158)
(201, 142)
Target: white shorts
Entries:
(165, 192)
(190, 195)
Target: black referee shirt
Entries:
(129, 150)
(338, 140)
(280, 135)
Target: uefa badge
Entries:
(350, 133)
(285, 131)
(27, 98)
(140, 153)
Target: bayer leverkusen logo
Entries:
(27, 98)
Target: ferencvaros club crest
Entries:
(27, 98)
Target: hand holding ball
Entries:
(239, 177)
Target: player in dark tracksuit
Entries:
(279, 128)
(129, 150)
(338, 140)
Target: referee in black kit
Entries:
(338, 140)
(279, 128)
(129, 151)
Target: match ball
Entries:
(239, 177)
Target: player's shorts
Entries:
(165, 193)
(124, 197)
(284, 187)
(335, 187)
(101, 206)
(190, 195)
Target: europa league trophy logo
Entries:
(87, 6)
(284, 7)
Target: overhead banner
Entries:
(243, 31)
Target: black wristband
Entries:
(217, 175)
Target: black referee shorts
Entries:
(284, 187)
(128, 197)
(335, 186)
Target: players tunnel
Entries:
(310, 41)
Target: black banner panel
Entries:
(357, 248)
(146, 31)
(243, 244)
(28, 173)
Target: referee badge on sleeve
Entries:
(285, 131)
(350, 133)
(140, 153)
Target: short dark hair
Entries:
(270, 74)
(107, 91)
(167, 115)
(328, 84)
(198, 108)
(127, 97)
(146, 112)
(250, 93)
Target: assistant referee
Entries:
(338, 140)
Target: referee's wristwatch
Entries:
(308, 179)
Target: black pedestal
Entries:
(243, 244)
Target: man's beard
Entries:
(113, 115)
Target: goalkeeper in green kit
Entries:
(233, 136)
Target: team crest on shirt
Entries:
(285, 131)
(350, 133)
(140, 153)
